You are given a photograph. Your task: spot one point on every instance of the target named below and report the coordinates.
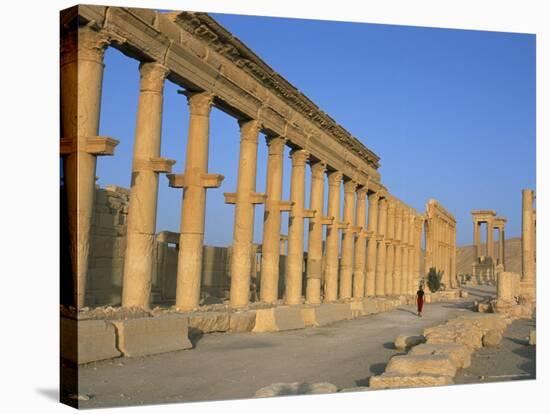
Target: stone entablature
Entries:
(201, 55)
(487, 264)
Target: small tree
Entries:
(434, 279)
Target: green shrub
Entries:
(434, 279)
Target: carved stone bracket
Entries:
(254, 198)
(327, 220)
(93, 145)
(205, 180)
(156, 164)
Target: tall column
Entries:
(194, 182)
(397, 288)
(372, 243)
(477, 247)
(360, 244)
(331, 263)
(405, 259)
(501, 242)
(490, 241)
(419, 222)
(390, 237)
(295, 258)
(528, 266)
(381, 251)
(315, 239)
(411, 239)
(142, 210)
(81, 79)
(346, 262)
(244, 199)
(269, 278)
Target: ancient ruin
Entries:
(487, 264)
(380, 236)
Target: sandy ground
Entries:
(229, 366)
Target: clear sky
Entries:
(451, 113)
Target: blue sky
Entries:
(451, 113)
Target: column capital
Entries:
(335, 178)
(383, 203)
(200, 103)
(91, 44)
(350, 186)
(362, 193)
(299, 157)
(276, 144)
(318, 168)
(374, 197)
(152, 76)
(250, 129)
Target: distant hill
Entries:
(512, 256)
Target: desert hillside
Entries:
(512, 253)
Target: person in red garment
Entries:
(420, 299)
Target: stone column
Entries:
(295, 258)
(381, 251)
(490, 241)
(411, 240)
(397, 288)
(271, 244)
(346, 262)
(477, 247)
(528, 266)
(244, 199)
(390, 238)
(81, 79)
(315, 239)
(501, 243)
(372, 243)
(405, 259)
(331, 263)
(146, 166)
(360, 244)
(194, 182)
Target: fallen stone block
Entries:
(492, 339)
(391, 380)
(149, 336)
(326, 313)
(87, 340)
(295, 388)
(460, 355)
(533, 337)
(206, 322)
(421, 364)
(280, 318)
(242, 321)
(404, 342)
(464, 294)
(465, 333)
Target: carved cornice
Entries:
(207, 30)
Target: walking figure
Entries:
(420, 299)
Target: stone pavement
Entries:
(228, 366)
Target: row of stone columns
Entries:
(377, 256)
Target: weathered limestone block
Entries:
(533, 337)
(464, 333)
(404, 342)
(492, 339)
(206, 322)
(280, 318)
(87, 340)
(370, 306)
(460, 355)
(326, 313)
(464, 294)
(440, 365)
(148, 336)
(391, 380)
(485, 322)
(295, 388)
(242, 321)
(483, 307)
